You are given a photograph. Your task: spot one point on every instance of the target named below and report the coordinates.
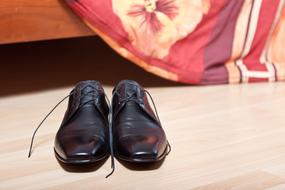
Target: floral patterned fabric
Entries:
(153, 26)
(194, 41)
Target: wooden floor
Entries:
(222, 137)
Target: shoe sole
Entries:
(79, 162)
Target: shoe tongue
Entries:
(128, 88)
(88, 91)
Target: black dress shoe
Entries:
(83, 134)
(137, 133)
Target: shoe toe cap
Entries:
(141, 148)
(82, 150)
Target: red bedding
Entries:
(194, 41)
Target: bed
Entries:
(29, 20)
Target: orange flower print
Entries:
(153, 26)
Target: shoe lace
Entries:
(40, 124)
(110, 138)
(131, 97)
(156, 114)
(109, 125)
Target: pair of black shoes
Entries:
(92, 129)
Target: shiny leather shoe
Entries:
(83, 134)
(136, 131)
